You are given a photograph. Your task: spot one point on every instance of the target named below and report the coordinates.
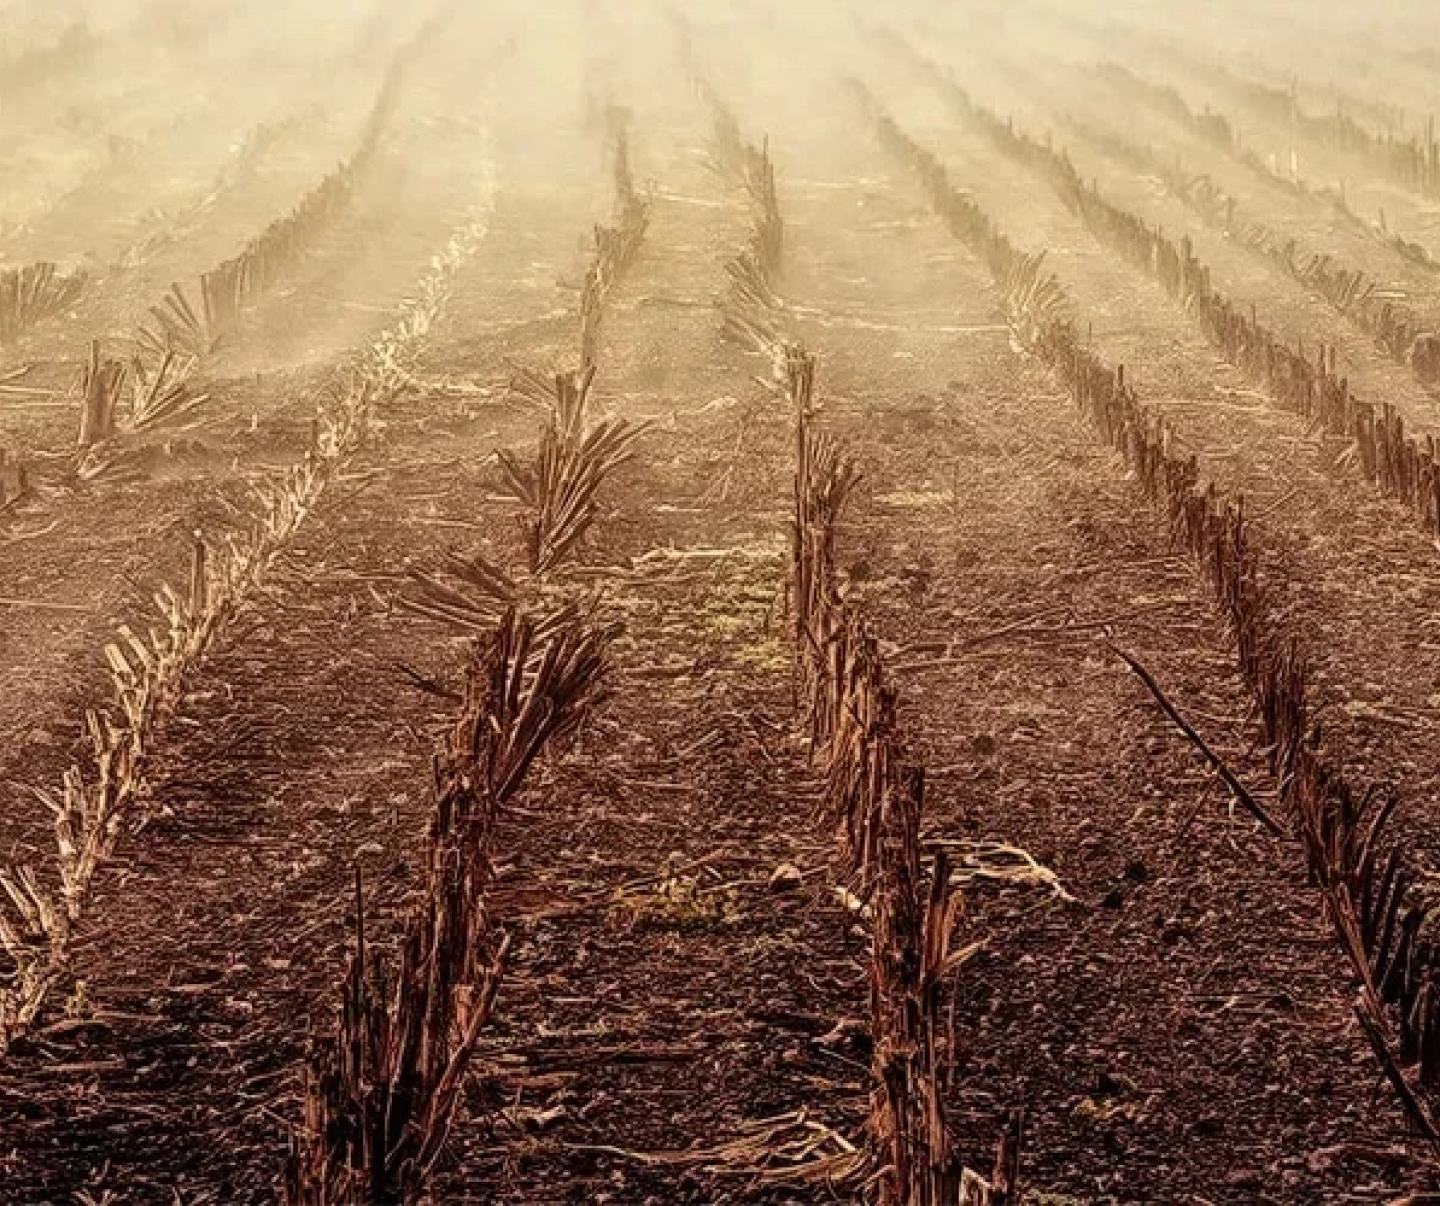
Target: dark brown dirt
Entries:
(1170, 1008)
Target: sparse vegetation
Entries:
(588, 616)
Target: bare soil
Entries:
(1169, 1006)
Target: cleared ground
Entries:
(1170, 1006)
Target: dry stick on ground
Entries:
(382, 1093)
(1237, 789)
(1342, 831)
(103, 798)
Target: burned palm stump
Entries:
(118, 399)
(382, 1092)
(750, 301)
(575, 457)
(100, 390)
(14, 482)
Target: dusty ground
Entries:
(1172, 1011)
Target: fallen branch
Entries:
(1218, 764)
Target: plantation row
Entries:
(1399, 465)
(159, 382)
(1218, 132)
(1389, 153)
(382, 1092)
(874, 795)
(103, 800)
(1397, 329)
(681, 913)
(1341, 826)
(873, 790)
(1409, 160)
(192, 324)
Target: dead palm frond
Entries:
(476, 596)
(1034, 299)
(759, 172)
(563, 484)
(617, 245)
(161, 396)
(534, 387)
(572, 463)
(750, 309)
(533, 683)
(180, 326)
(616, 248)
(33, 293)
(750, 283)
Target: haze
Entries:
(719, 601)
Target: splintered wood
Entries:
(383, 1091)
(874, 800)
